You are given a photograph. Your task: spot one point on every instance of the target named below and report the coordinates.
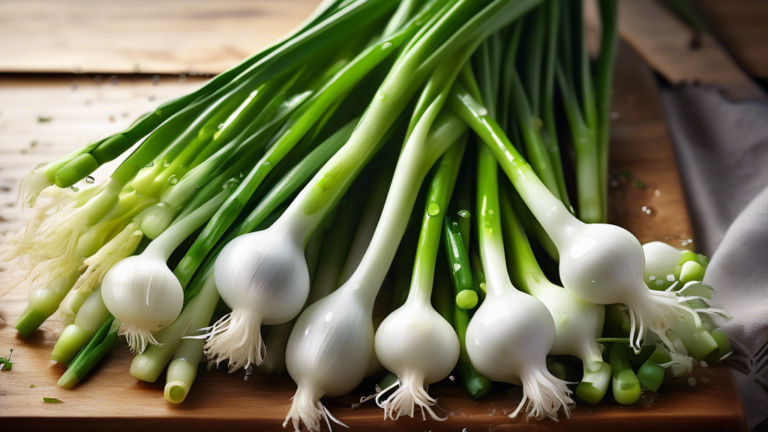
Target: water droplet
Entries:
(386, 46)
(659, 282)
(166, 163)
(266, 164)
(155, 79)
(704, 380)
(651, 278)
(139, 194)
(490, 212)
(452, 378)
(491, 412)
(518, 162)
(220, 126)
(703, 364)
(647, 210)
(355, 287)
(433, 209)
(114, 80)
(657, 192)
(173, 180)
(182, 78)
(692, 381)
(75, 189)
(89, 179)
(670, 278)
(456, 267)
(382, 96)
(98, 79)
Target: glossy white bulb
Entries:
(420, 347)
(328, 352)
(263, 278)
(508, 340)
(144, 294)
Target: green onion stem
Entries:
(626, 387)
(474, 384)
(44, 300)
(305, 118)
(370, 217)
(458, 262)
(603, 89)
(438, 198)
(89, 319)
(284, 189)
(336, 244)
(321, 34)
(186, 356)
(87, 358)
(547, 114)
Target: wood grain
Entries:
(741, 27)
(149, 36)
(665, 43)
(110, 399)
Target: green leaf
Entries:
(52, 400)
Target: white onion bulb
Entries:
(329, 351)
(508, 340)
(420, 347)
(144, 294)
(263, 278)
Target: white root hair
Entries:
(306, 408)
(236, 337)
(403, 401)
(137, 338)
(544, 395)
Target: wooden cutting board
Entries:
(649, 203)
(145, 36)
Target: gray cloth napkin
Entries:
(722, 151)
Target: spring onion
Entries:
(414, 341)
(511, 333)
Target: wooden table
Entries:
(82, 107)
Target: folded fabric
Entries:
(722, 152)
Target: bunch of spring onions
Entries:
(253, 222)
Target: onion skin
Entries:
(263, 278)
(143, 293)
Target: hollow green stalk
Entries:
(609, 42)
(87, 358)
(473, 382)
(322, 33)
(43, 301)
(626, 387)
(91, 316)
(547, 113)
(302, 121)
(458, 263)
